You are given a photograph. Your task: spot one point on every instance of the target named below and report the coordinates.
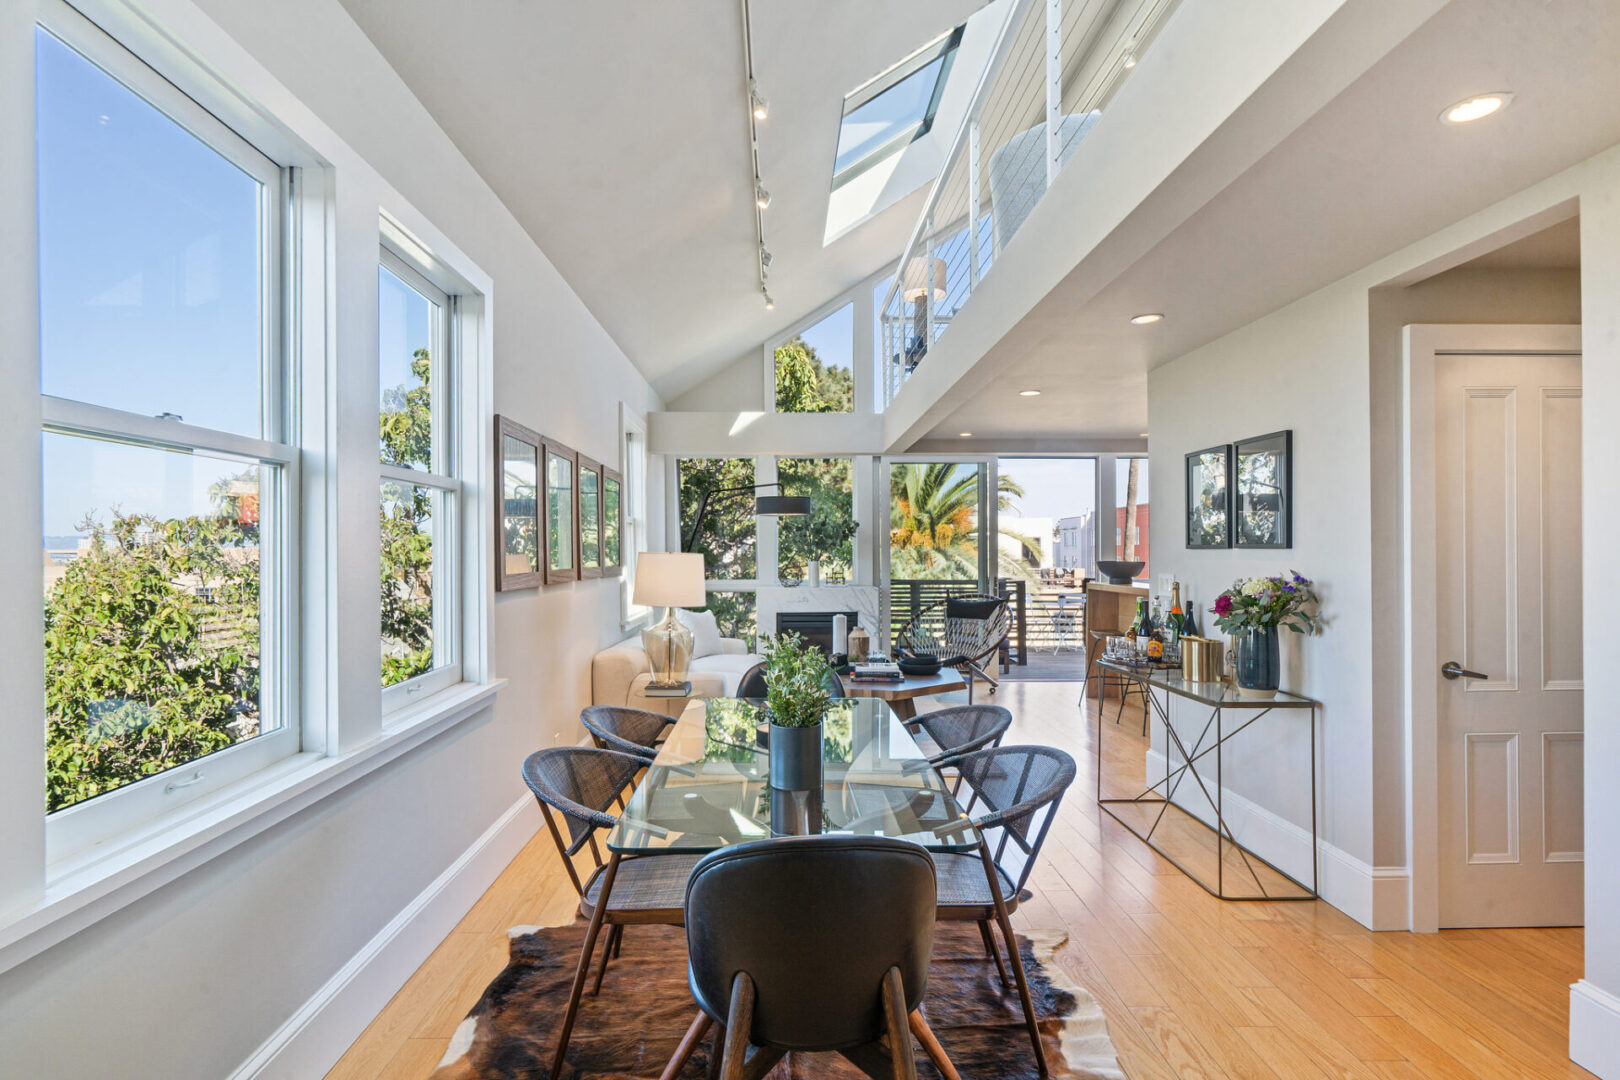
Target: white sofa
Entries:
(621, 672)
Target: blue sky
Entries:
(149, 287)
(833, 338)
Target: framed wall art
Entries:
(612, 522)
(561, 533)
(1209, 498)
(590, 518)
(1263, 479)
(517, 513)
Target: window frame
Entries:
(943, 47)
(443, 477)
(634, 463)
(73, 829)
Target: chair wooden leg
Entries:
(689, 1043)
(930, 1044)
(1013, 957)
(739, 1019)
(995, 953)
(607, 954)
(717, 1050)
(618, 940)
(584, 967)
(895, 1019)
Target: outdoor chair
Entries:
(629, 731)
(812, 943)
(1021, 787)
(975, 628)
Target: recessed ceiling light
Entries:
(1146, 317)
(1029, 393)
(1476, 108)
(1142, 436)
(964, 434)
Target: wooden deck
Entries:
(1192, 987)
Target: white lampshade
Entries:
(917, 275)
(669, 579)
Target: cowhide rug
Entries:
(630, 1031)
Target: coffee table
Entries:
(902, 696)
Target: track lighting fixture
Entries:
(770, 305)
(758, 104)
(762, 198)
(764, 256)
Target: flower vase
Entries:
(1258, 659)
(813, 574)
(795, 758)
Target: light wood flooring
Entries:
(1192, 987)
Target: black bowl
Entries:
(920, 665)
(1118, 572)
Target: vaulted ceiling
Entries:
(616, 132)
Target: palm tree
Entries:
(934, 520)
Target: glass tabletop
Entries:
(709, 786)
(1216, 693)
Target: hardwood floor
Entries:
(1192, 987)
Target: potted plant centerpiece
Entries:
(797, 691)
(1252, 610)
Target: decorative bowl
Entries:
(1118, 572)
(922, 665)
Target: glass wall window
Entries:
(734, 614)
(934, 513)
(722, 527)
(1131, 513)
(167, 475)
(827, 533)
(416, 508)
(815, 370)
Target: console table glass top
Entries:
(1224, 694)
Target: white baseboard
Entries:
(1594, 1030)
(1374, 896)
(314, 1037)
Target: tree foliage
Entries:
(405, 520)
(828, 531)
(806, 385)
(934, 520)
(152, 647)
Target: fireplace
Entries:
(816, 627)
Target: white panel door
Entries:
(1508, 559)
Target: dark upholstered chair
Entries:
(1020, 788)
(813, 943)
(578, 784)
(629, 731)
(752, 684)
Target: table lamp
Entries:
(669, 580)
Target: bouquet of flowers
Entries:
(1258, 602)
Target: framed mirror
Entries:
(590, 518)
(612, 522)
(1263, 476)
(1209, 498)
(561, 539)
(517, 513)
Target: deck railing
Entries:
(1052, 72)
(1044, 619)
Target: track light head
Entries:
(757, 104)
(764, 256)
(762, 198)
(770, 305)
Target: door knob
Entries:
(1453, 670)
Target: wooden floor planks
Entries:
(1191, 987)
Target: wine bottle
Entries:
(1140, 630)
(1189, 625)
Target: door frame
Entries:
(1422, 344)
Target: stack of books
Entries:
(876, 672)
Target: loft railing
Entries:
(1053, 71)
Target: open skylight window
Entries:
(890, 112)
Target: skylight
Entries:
(897, 107)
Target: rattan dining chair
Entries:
(963, 729)
(629, 731)
(809, 944)
(1021, 787)
(578, 784)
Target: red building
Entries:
(1141, 538)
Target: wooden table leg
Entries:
(584, 968)
(904, 708)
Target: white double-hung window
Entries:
(170, 469)
(420, 492)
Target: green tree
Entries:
(828, 531)
(406, 523)
(934, 521)
(152, 646)
(805, 385)
(726, 536)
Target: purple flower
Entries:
(1223, 604)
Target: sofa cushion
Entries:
(729, 666)
(705, 631)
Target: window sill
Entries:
(84, 889)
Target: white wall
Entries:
(1328, 366)
(193, 978)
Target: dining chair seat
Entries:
(962, 883)
(652, 885)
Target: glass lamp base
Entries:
(669, 650)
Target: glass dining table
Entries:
(709, 788)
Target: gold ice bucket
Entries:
(1201, 659)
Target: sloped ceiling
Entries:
(616, 132)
